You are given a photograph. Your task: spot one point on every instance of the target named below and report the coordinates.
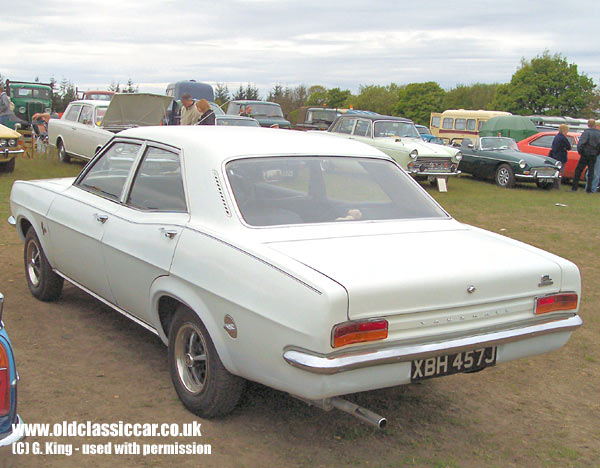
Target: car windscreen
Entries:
(392, 128)
(319, 115)
(498, 143)
(264, 110)
(99, 97)
(100, 111)
(237, 122)
(313, 189)
(39, 93)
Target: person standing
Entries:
(560, 146)
(596, 178)
(190, 112)
(208, 115)
(588, 149)
(5, 111)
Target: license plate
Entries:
(438, 366)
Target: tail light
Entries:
(357, 332)
(555, 303)
(4, 382)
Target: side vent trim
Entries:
(221, 193)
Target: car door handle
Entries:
(169, 234)
(101, 218)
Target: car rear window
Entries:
(301, 190)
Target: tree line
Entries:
(545, 85)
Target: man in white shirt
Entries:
(190, 112)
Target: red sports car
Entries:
(540, 143)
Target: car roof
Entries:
(94, 102)
(539, 134)
(246, 101)
(215, 144)
(374, 117)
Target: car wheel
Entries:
(62, 153)
(544, 184)
(203, 384)
(505, 177)
(43, 283)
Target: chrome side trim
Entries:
(12, 221)
(109, 304)
(394, 353)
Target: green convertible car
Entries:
(500, 159)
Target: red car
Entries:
(540, 143)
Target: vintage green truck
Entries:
(29, 98)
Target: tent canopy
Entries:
(516, 127)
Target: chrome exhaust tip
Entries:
(365, 415)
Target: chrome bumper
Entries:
(9, 153)
(394, 353)
(15, 436)
(535, 176)
(434, 174)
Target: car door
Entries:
(78, 217)
(82, 131)
(362, 131)
(68, 130)
(139, 243)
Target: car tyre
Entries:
(201, 381)
(544, 184)
(10, 165)
(62, 153)
(505, 177)
(43, 283)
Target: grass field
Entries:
(537, 412)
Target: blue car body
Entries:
(8, 378)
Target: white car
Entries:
(313, 265)
(86, 126)
(399, 138)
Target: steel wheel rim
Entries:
(503, 176)
(191, 358)
(62, 152)
(34, 263)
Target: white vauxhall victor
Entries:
(296, 260)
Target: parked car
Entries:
(96, 95)
(315, 118)
(87, 125)
(29, 98)
(275, 258)
(9, 148)
(541, 143)
(9, 419)
(194, 88)
(426, 134)
(236, 121)
(500, 159)
(268, 114)
(398, 138)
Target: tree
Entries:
(337, 98)
(380, 99)
(546, 84)
(317, 96)
(288, 98)
(130, 87)
(252, 93)
(221, 94)
(475, 96)
(239, 94)
(418, 100)
(115, 87)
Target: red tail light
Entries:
(4, 382)
(555, 303)
(357, 332)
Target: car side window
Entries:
(435, 122)
(109, 173)
(345, 126)
(363, 128)
(460, 124)
(85, 117)
(158, 184)
(448, 123)
(543, 141)
(73, 112)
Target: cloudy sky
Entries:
(333, 43)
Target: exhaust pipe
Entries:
(361, 413)
(346, 406)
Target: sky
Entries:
(266, 42)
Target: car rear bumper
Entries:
(15, 436)
(394, 353)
